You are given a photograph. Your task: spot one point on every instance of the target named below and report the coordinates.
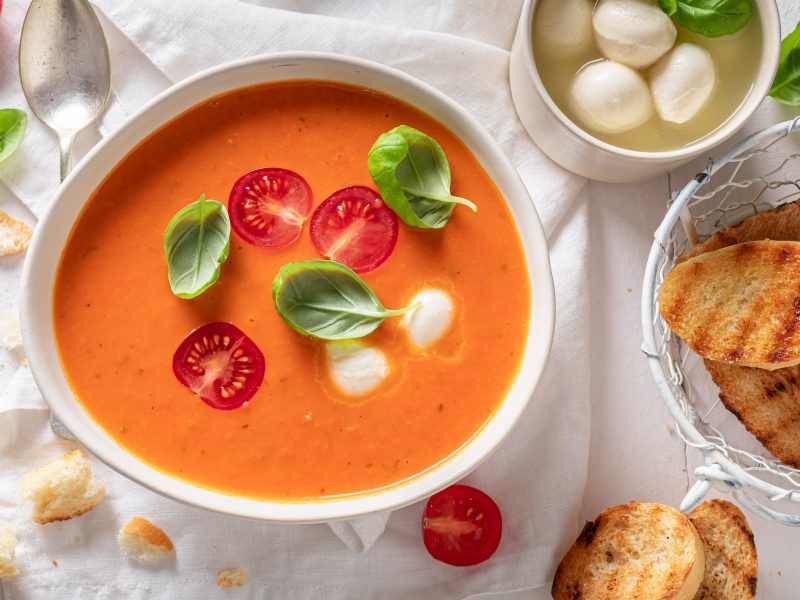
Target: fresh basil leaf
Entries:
(786, 86)
(413, 176)
(711, 18)
(13, 123)
(197, 242)
(669, 6)
(326, 299)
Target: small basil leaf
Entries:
(669, 6)
(711, 18)
(786, 86)
(197, 242)
(413, 176)
(13, 123)
(326, 299)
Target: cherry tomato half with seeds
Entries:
(461, 526)
(220, 364)
(269, 206)
(355, 227)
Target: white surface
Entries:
(634, 452)
(178, 39)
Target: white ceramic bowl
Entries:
(580, 152)
(52, 231)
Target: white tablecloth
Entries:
(538, 475)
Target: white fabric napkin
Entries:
(537, 476)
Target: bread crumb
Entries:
(55, 562)
(8, 542)
(143, 542)
(234, 577)
(62, 489)
(10, 330)
(14, 235)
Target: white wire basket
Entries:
(757, 175)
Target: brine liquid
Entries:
(736, 58)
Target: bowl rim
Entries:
(45, 250)
(770, 54)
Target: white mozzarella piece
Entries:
(682, 83)
(355, 367)
(427, 323)
(610, 97)
(564, 26)
(632, 32)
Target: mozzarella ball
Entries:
(355, 367)
(427, 323)
(632, 32)
(564, 26)
(610, 97)
(682, 83)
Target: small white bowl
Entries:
(580, 152)
(52, 232)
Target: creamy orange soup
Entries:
(118, 324)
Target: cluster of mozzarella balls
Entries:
(643, 69)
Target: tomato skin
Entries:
(268, 207)
(220, 364)
(354, 226)
(461, 526)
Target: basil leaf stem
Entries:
(412, 174)
(327, 300)
(197, 242)
(13, 123)
(711, 18)
(786, 85)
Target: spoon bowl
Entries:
(64, 68)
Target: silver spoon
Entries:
(64, 68)
(66, 77)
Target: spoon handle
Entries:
(65, 142)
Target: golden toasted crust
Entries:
(234, 577)
(738, 305)
(638, 550)
(782, 224)
(14, 235)
(8, 541)
(149, 533)
(731, 571)
(766, 402)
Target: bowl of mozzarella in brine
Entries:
(624, 90)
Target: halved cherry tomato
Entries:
(355, 227)
(268, 207)
(220, 364)
(461, 526)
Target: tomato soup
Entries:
(118, 324)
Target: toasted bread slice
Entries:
(144, 542)
(781, 224)
(14, 235)
(766, 402)
(738, 305)
(62, 489)
(731, 560)
(638, 550)
(8, 542)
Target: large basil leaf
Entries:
(413, 177)
(197, 242)
(711, 18)
(13, 123)
(786, 86)
(326, 299)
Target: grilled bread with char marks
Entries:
(730, 550)
(639, 550)
(739, 304)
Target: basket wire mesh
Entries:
(757, 175)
